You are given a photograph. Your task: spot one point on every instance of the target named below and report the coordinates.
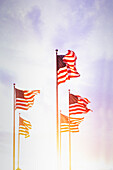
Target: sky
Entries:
(30, 32)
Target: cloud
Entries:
(104, 81)
(5, 77)
(18, 21)
(34, 16)
(79, 21)
(87, 28)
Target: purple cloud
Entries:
(5, 77)
(81, 18)
(104, 82)
(34, 16)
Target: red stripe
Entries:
(77, 108)
(24, 100)
(61, 70)
(76, 105)
(62, 78)
(77, 113)
(63, 81)
(62, 74)
(69, 60)
(19, 107)
(24, 103)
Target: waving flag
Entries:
(78, 105)
(74, 123)
(82, 100)
(25, 98)
(66, 67)
(24, 127)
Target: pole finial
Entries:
(69, 90)
(56, 51)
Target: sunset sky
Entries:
(30, 32)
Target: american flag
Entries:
(66, 67)
(74, 123)
(24, 127)
(78, 104)
(25, 98)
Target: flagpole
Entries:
(69, 141)
(60, 135)
(57, 116)
(18, 145)
(60, 139)
(14, 131)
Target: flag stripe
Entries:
(24, 103)
(79, 105)
(77, 112)
(23, 108)
(23, 130)
(71, 125)
(77, 109)
(77, 119)
(67, 130)
(23, 127)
